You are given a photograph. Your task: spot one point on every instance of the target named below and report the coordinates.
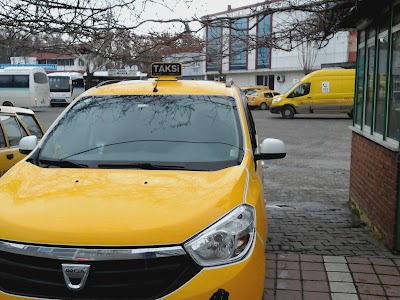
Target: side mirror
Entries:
(27, 144)
(271, 149)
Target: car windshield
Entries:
(191, 132)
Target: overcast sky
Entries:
(197, 8)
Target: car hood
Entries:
(114, 207)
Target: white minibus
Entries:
(65, 87)
(24, 87)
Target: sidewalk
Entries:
(320, 277)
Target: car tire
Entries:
(287, 112)
(263, 106)
(7, 103)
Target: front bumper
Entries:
(275, 109)
(58, 101)
(243, 280)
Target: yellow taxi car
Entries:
(261, 99)
(252, 88)
(15, 123)
(139, 190)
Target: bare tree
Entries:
(308, 51)
(108, 30)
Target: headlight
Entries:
(277, 99)
(227, 241)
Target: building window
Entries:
(377, 104)
(214, 48)
(238, 54)
(381, 84)
(268, 80)
(65, 62)
(263, 49)
(360, 77)
(370, 85)
(394, 100)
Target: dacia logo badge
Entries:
(75, 276)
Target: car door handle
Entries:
(308, 97)
(10, 156)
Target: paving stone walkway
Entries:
(320, 228)
(323, 277)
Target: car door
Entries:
(302, 97)
(12, 131)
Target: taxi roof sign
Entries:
(166, 69)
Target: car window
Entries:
(268, 95)
(193, 131)
(250, 123)
(32, 125)
(2, 139)
(13, 129)
(302, 90)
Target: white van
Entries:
(24, 87)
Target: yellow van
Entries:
(140, 190)
(322, 91)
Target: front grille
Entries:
(149, 278)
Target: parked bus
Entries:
(65, 87)
(24, 87)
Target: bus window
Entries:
(6, 81)
(21, 81)
(59, 84)
(40, 78)
(78, 83)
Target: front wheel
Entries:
(287, 112)
(263, 106)
(7, 103)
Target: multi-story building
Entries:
(192, 62)
(230, 51)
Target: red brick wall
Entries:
(352, 52)
(374, 185)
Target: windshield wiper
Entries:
(144, 166)
(61, 163)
